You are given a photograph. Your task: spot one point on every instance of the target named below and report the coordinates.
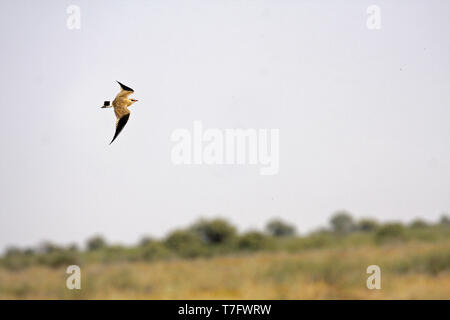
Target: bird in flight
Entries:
(121, 104)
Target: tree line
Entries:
(211, 237)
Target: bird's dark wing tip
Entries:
(120, 125)
(124, 87)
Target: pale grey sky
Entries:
(363, 114)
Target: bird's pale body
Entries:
(121, 105)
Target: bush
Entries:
(390, 232)
(154, 250)
(12, 251)
(73, 247)
(96, 243)
(319, 239)
(445, 220)
(145, 240)
(418, 224)
(342, 222)
(279, 228)
(254, 240)
(47, 247)
(432, 263)
(116, 253)
(29, 252)
(15, 259)
(437, 262)
(59, 258)
(215, 231)
(185, 243)
(367, 225)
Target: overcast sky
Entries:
(364, 115)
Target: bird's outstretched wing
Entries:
(121, 122)
(125, 92)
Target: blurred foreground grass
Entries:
(410, 270)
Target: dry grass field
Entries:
(412, 270)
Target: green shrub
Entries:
(16, 263)
(279, 228)
(418, 224)
(154, 250)
(445, 220)
(254, 240)
(16, 259)
(145, 240)
(96, 243)
(216, 231)
(432, 263)
(59, 258)
(115, 253)
(390, 232)
(12, 251)
(367, 225)
(48, 247)
(437, 262)
(342, 222)
(319, 240)
(73, 247)
(185, 243)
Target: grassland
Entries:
(210, 259)
(409, 270)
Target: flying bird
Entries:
(121, 104)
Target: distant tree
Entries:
(59, 258)
(214, 231)
(254, 240)
(73, 247)
(96, 243)
(279, 228)
(154, 250)
(12, 251)
(145, 240)
(367, 225)
(29, 251)
(390, 232)
(342, 222)
(48, 247)
(445, 220)
(418, 223)
(185, 243)
(15, 259)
